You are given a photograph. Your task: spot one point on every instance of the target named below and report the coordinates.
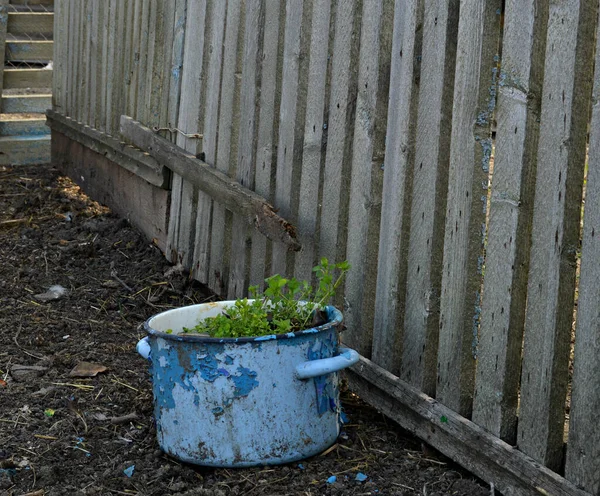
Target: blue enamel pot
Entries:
(240, 402)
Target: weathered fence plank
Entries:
(471, 146)
(338, 135)
(430, 183)
(3, 28)
(493, 460)
(246, 153)
(507, 250)
(39, 23)
(288, 121)
(360, 181)
(555, 232)
(387, 327)
(310, 176)
(226, 148)
(181, 233)
(583, 450)
(267, 132)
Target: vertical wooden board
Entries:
(226, 154)
(583, 449)
(87, 56)
(471, 146)
(267, 137)
(337, 138)
(287, 123)
(119, 75)
(72, 57)
(128, 54)
(142, 67)
(183, 198)
(387, 322)
(507, 250)
(360, 180)
(111, 63)
(135, 59)
(555, 232)
(240, 234)
(171, 104)
(57, 48)
(64, 74)
(3, 27)
(95, 67)
(313, 141)
(103, 65)
(430, 184)
(159, 61)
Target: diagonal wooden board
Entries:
(221, 187)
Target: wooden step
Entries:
(24, 150)
(31, 23)
(29, 50)
(27, 78)
(30, 125)
(17, 104)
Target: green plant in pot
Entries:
(286, 305)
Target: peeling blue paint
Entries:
(245, 382)
(266, 338)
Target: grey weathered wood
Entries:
(28, 23)
(387, 327)
(29, 50)
(135, 60)
(418, 366)
(310, 177)
(267, 135)
(287, 122)
(507, 250)
(128, 54)
(181, 235)
(337, 133)
(87, 57)
(95, 51)
(226, 152)
(174, 74)
(471, 146)
(30, 125)
(583, 449)
(360, 181)
(555, 233)
(218, 185)
(3, 28)
(246, 154)
(27, 78)
(14, 104)
(215, 31)
(144, 50)
(491, 459)
(24, 150)
(128, 157)
(57, 56)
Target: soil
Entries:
(65, 435)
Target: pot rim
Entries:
(334, 316)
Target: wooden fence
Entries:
(368, 125)
(26, 49)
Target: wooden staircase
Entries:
(26, 51)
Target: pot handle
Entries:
(323, 366)
(143, 348)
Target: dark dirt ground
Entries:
(63, 435)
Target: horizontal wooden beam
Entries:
(16, 104)
(231, 194)
(30, 126)
(488, 457)
(31, 23)
(29, 50)
(27, 78)
(139, 163)
(24, 150)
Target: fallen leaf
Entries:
(87, 369)
(49, 412)
(3, 383)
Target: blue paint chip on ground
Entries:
(301, 466)
(343, 417)
(129, 471)
(360, 477)
(331, 479)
